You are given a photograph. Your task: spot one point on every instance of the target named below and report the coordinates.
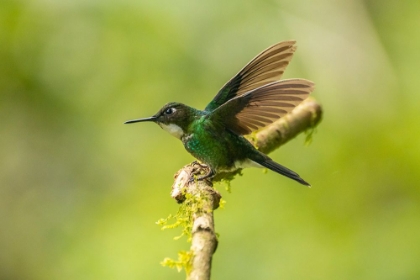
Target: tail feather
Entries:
(270, 164)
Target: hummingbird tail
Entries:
(270, 164)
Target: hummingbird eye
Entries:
(170, 111)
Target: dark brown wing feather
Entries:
(265, 68)
(262, 106)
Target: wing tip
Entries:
(288, 43)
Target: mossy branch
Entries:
(199, 198)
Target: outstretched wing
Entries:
(265, 68)
(262, 106)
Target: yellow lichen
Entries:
(184, 262)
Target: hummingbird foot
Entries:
(201, 165)
(210, 173)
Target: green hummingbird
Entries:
(252, 99)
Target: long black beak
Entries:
(149, 119)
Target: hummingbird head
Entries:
(173, 118)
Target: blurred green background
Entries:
(80, 192)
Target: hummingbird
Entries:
(254, 98)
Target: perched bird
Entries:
(252, 99)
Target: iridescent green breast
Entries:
(214, 145)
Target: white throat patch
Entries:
(173, 129)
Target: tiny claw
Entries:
(202, 165)
(210, 174)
